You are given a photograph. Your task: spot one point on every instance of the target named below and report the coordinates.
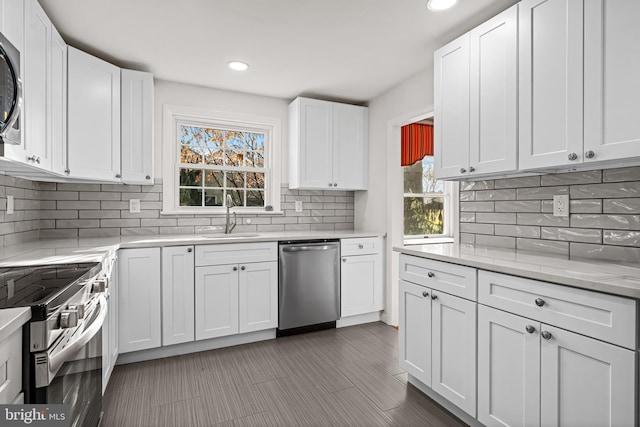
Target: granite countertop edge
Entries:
(600, 276)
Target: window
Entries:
(216, 155)
(426, 203)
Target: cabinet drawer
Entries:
(236, 253)
(363, 246)
(11, 367)
(605, 317)
(442, 276)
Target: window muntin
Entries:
(426, 202)
(215, 161)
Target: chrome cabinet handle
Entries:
(589, 154)
(330, 184)
(360, 246)
(147, 177)
(431, 274)
(335, 184)
(530, 329)
(118, 175)
(434, 297)
(540, 302)
(235, 268)
(472, 169)
(31, 158)
(243, 268)
(38, 160)
(463, 170)
(67, 171)
(189, 250)
(546, 335)
(344, 260)
(425, 294)
(573, 156)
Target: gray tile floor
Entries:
(339, 377)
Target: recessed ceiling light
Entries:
(238, 65)
(438, 5)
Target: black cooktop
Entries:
(43, 287)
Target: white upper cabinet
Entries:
(611, 89)
(550, 83)
(137, 127)
(37, 87)
(93, 117)
(451, 119)
(12, 22)
(475, 128)
(328, 145)
(58, 105)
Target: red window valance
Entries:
(417, 142)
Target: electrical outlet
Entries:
(10, 205)
(561, 206)
(134, 206)
(298, 206)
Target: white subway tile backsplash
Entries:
(539, 245)
(621, 174)
(606, 191)
(476, 185)
(487, 195)
(517, 231)
(496, 218)
(572, 234)
(541, 193)
(583, 177)
(621, 238)
(518, 206)
(477, 206)
(517, 182)
(541, 219)
(496, 241)
(622, 206)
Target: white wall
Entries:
(220, 100)
(380, 208)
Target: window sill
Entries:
(220, 213)
(428, 241)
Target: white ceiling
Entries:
(350, 50)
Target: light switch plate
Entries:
(561, 205)
(10, 205)
(134, 206)
(298, 206)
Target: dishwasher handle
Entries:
(307, 248)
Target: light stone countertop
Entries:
(12, 319)
(59, 251)
(601, 276)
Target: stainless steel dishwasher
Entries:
(309, 285)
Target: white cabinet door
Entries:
(93, 117)
(350, 159)
(611, 70)
(113, 306)
(493, 123)
(361, 285)
(106, 346)
(451, 120)
(178, 295)
(216, 303)
(311, 148)
(585, 382)
(508, 369)
(58, 106)
(12, 22)
(37, 86)
(139, 290)
(415, 331)
(453, 329)
(550, 83)
(137, 127)
(258, 296)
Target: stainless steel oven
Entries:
(10, 94)
(62, 354)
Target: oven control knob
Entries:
(68, 319)
(79, 308)
(99, 285)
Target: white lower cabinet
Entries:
(216, 310)
(236, 298)
(533, 374)
(110, 348)
(438, 342)
(361, 276)
(177, 295)
(139, 310)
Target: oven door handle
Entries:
(57, 360)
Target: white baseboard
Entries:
(444, 402)
(195, 346)
(358, 319)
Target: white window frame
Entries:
(449, 217)
(175, 115)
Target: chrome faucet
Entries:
(229, 226)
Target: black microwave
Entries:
(10, 92)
